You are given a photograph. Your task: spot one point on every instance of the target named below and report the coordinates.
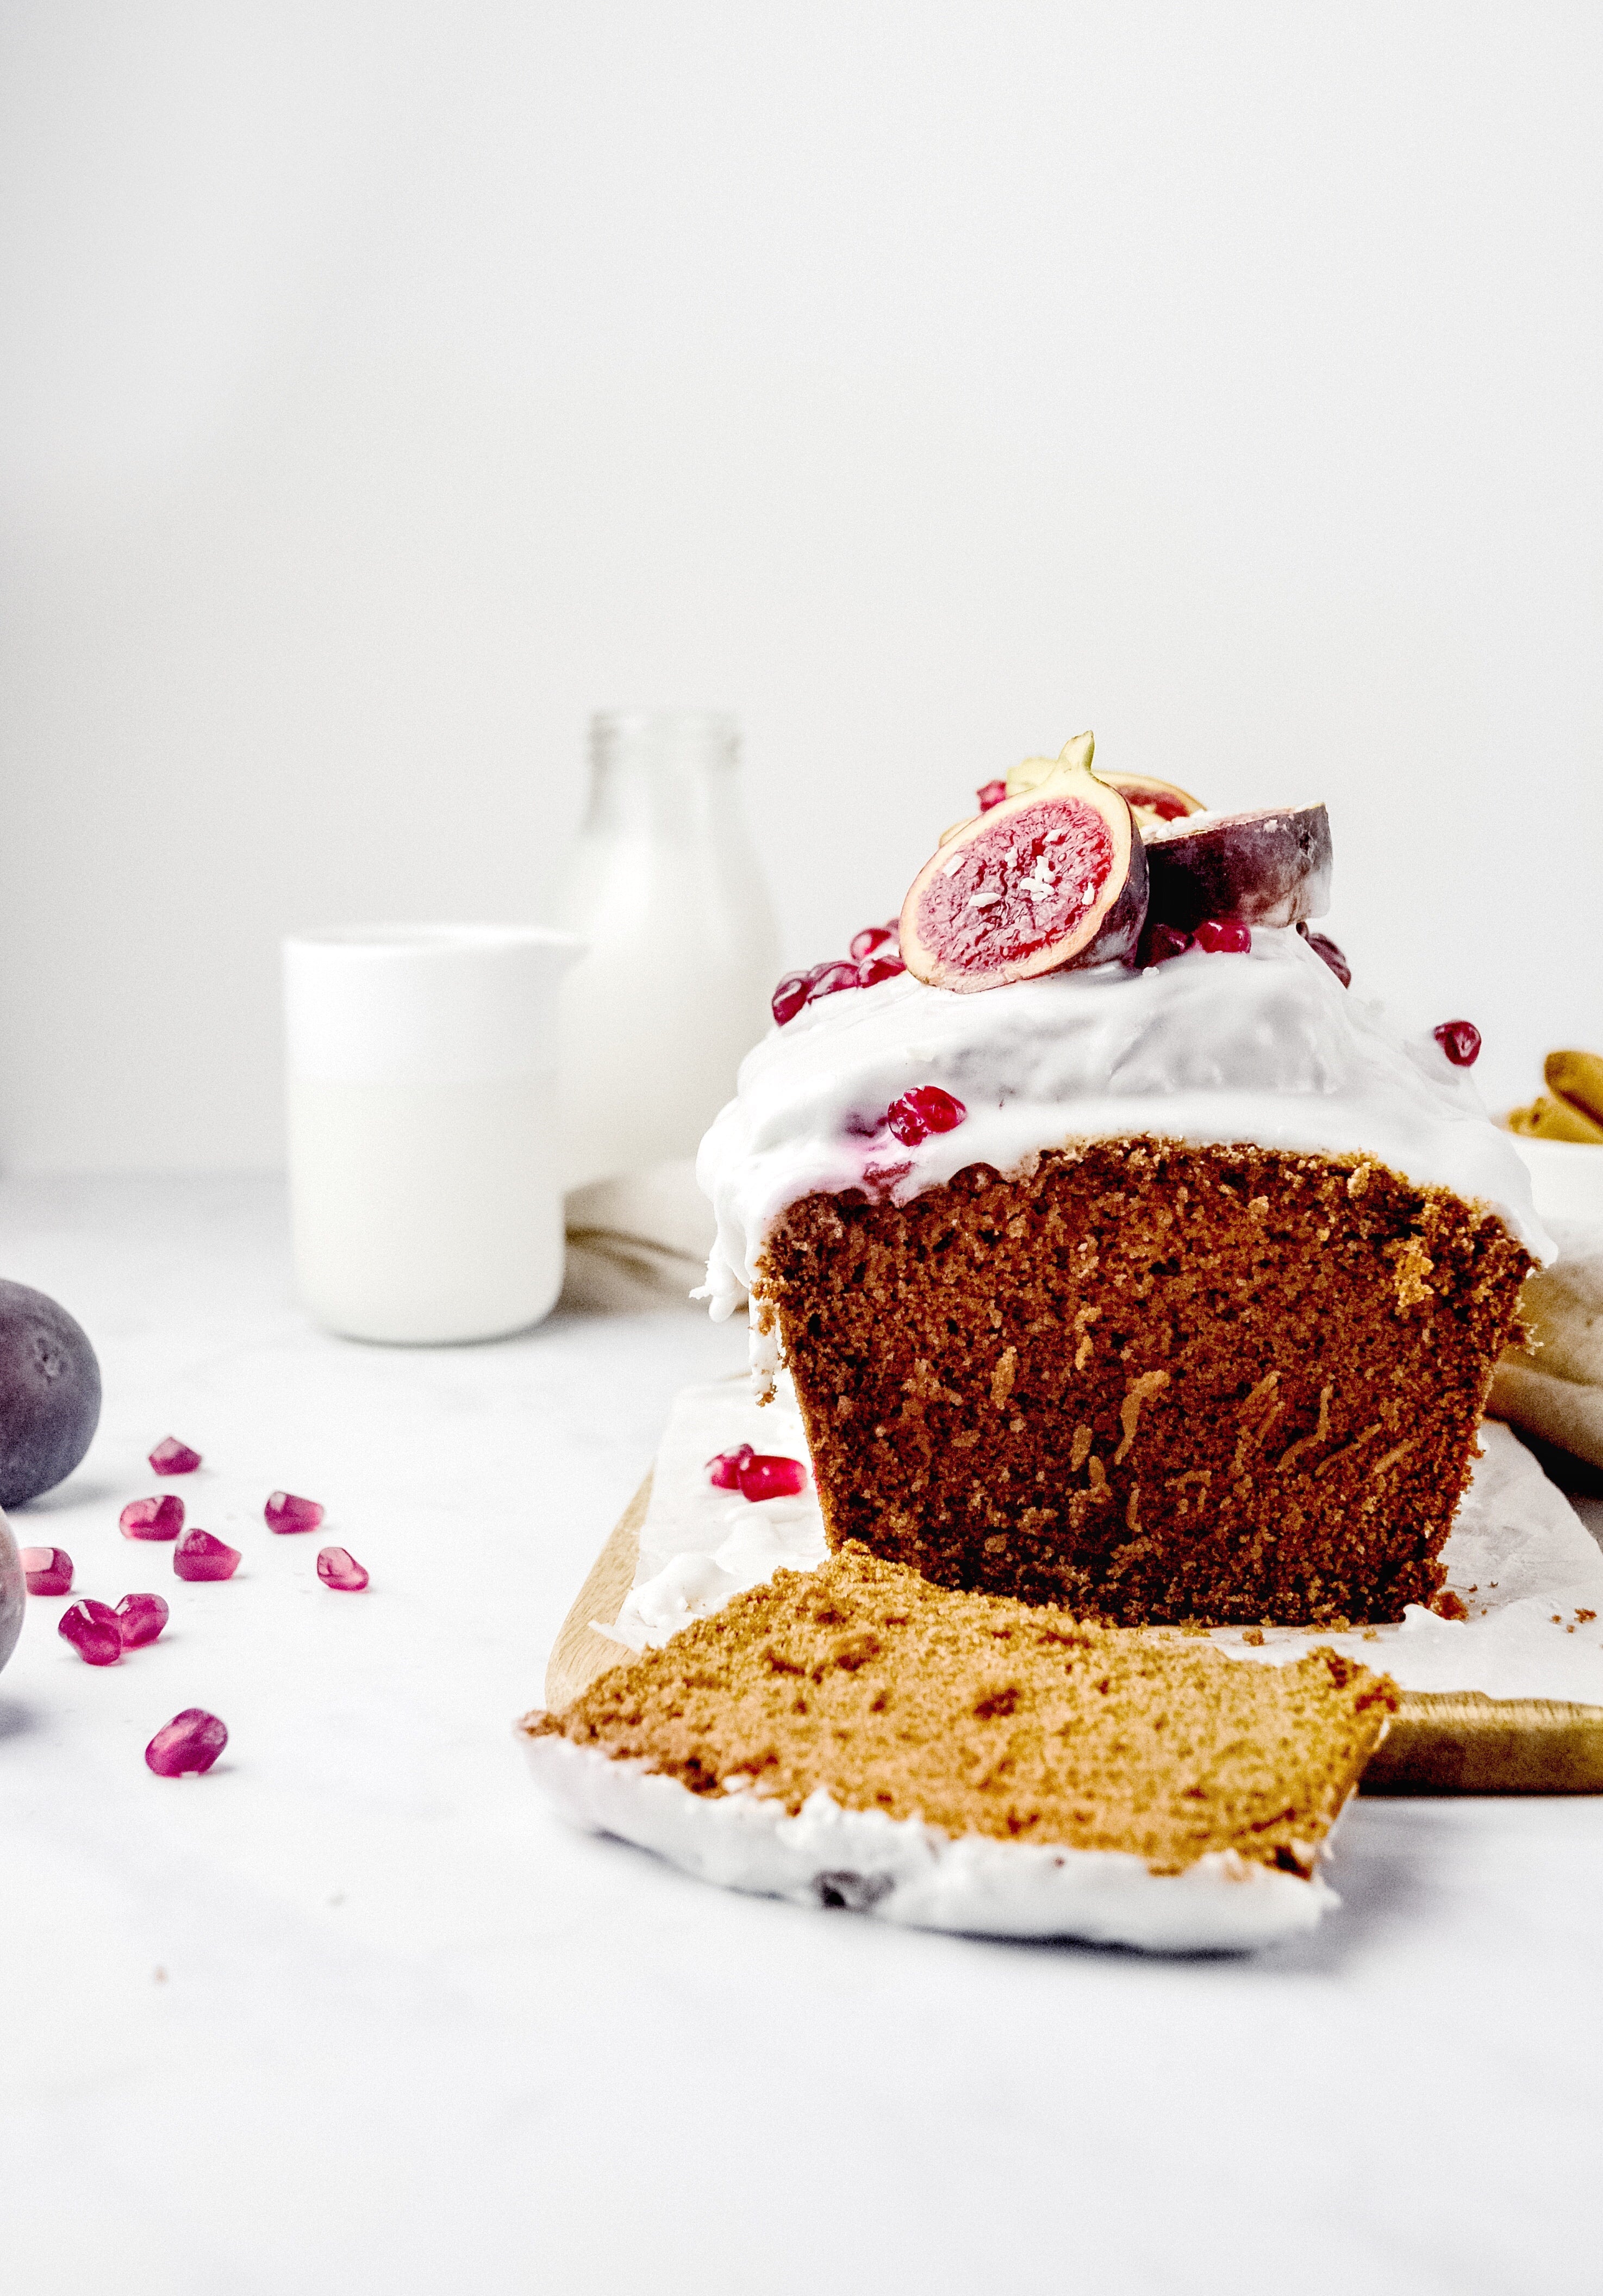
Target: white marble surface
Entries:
(356, 2013)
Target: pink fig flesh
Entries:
(1268, 868)
(1052, 879)
(1152, 801)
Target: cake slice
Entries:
(856, 1736)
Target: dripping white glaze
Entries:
(1267, 1046)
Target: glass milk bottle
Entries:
(665, 889)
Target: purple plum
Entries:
(49, 1394)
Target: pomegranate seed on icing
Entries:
(285, 1512)
(990, 794)
(875, 969)
(1460, 1040)
(93, 1630)
(161, 1518)
(724, 1471)
(1223, 936)
(199, 1555)
(189, 1742)
(140, 1618)
(766, 1475)
(339, 1567)
(789, 997)
(1161, 942)
(919, 1113)
(171, 1457)
(825, 979)
(875, 936)
(48, 1569)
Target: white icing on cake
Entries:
(903, 1870)
(1267, 1046)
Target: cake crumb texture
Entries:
(1150, 1380)
(982, 1715)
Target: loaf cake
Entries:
(1123, 1257)
(853, 1736)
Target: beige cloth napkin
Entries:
(638, 1244)
(1553, 1386)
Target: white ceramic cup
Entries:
(423, 1116)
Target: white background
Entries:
(384, 388)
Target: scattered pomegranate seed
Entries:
(199, 1555)
(339, 1567)
(191, 1742)
(723, 1472)
(919, 1113)
(285, 1512)
(171, 1457)
(766, 1475)
(1161, 942)
(140, 1618)
(875, 936)
(94, 1630)
(789, 997)
(1460, 1040)
(1223, 936)
(48, 1569)
(990, 794)
(161, 1518)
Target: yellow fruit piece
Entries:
(1578, 1078)
(1034, 773)
(1554, 1119)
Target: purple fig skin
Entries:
(49, 1394)
(1268, 868)
(1114, 930)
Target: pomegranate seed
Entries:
(1324, 948)
(1460, 1040)
(285, 1512)
(990, 794)
(723, 1472)
(161, 1518)
(339, 1567)
(93, 1630)
(199, 1555)
(48, 1569)
(191, 1742)
(171, 1457)
(789, 997)
(1223, 936)
(767, 1476)
(875, 936)
(1159, 943)
(825, 979)
(919, 1113)
(875, 969)
(140, 1618)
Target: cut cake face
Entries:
(857, 1736)
(1150, 1382)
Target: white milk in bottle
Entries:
(665, 889)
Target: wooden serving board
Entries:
(1440, 1743)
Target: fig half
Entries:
(1054, 877)
(1270, 866)
(1153, 802)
